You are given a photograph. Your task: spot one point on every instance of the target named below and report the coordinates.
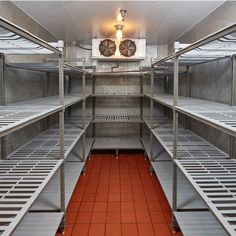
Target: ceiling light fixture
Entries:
(121, 16)
(119, 32)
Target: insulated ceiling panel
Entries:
(158, 21)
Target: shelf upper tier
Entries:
(218, 115)
(217, 45)
(51, 67)
(15, 40)
(19, 115)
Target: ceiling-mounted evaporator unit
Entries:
(126, 50)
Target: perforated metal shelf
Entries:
(21, 182)
(218, 115)
(50, 67)
(118, 119)
(190, 145)
(15, 40)
(215, 181)
(217, 45)
(69, 100)
(47, 144)
(14, 117)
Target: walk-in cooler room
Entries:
(117, 118)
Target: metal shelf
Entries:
(187, 196)
(15, 40)
(69, 100)
(115, 95)
(122, 73)
(21, 183)
(117, 119)
(190, 145)
(199, 224)
(214, 180)
(119, 143)
(217, 115)
(47, 144)
(50, 67)
(16, 117)
(215, 46)
(39, 224)
(49, 199)
(146, 145)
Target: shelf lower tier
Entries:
(215, 182)
(199, 224)
(49, 199)
(187, 196)
(21, 184)
(39, 224)
(158, 154)
(117, 119)
(119, 143)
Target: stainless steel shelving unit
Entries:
(207, 171)
(45, 162)
(122, 114)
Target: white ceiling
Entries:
(159, 21)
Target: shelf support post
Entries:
(151, 112)
(61, 124)
(84, 109)
(233, 102)
(94, 100)
(141, 101)
(2, 101)
(175, 139)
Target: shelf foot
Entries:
(117, 154)
(61, 228)
(151, 170)
(84, 170)
(145, 156)
(175, 226)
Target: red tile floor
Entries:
(118, 197)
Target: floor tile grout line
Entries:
(149, 212)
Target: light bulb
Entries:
(119, 34)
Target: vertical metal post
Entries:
(2, 101)
(151, 111)
(94, 100)
(188, 94)
(47, 93)
(233, 102)
(175, 137)
(84, 109)
(61, 124)
(141, 101)
(166, 86)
